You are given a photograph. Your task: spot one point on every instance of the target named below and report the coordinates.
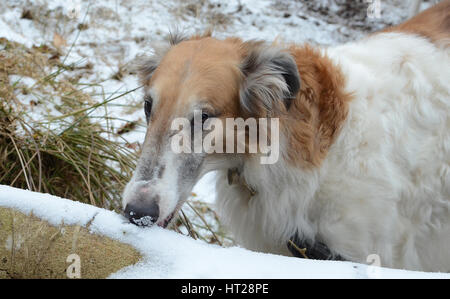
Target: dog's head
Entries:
(200, 80)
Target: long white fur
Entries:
(384, 187)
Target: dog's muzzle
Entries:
(142, 214)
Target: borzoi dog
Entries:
(364, 141)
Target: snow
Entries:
(167, 254)
(205, 188)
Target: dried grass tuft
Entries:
(76, 161)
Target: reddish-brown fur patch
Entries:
(319, 110)
(201, 68)
(433, 23)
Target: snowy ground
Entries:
(167, 254)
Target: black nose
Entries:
(142, 213)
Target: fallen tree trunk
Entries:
(32, 248)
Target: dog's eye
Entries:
(148, 107)
(205, 116)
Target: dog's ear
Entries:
(146, 65)
(271, 79)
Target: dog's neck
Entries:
(299, 245)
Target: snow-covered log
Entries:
(46, 236)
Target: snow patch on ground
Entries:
(167, 254)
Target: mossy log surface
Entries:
(32, 248)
